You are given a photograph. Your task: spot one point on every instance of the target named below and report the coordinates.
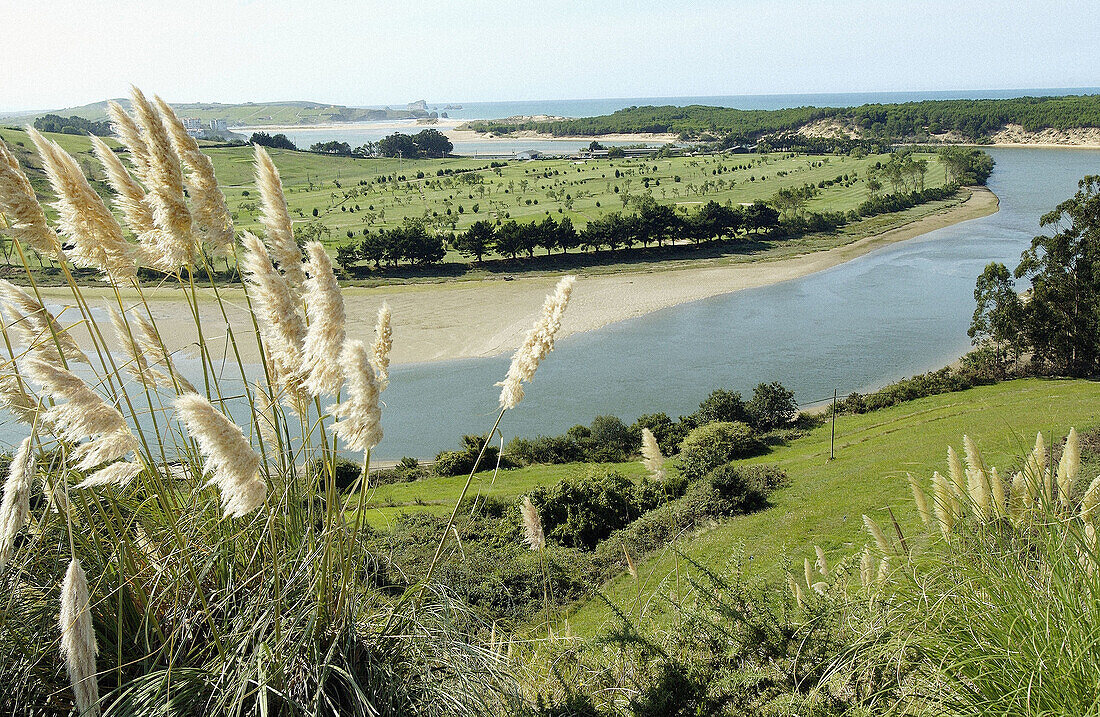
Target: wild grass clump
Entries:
(189, 531)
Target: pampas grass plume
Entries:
(383, 342)
(630, 563)
(532, 525)
(38, 327)
(231, 462)
(652, 458)
(78, 645)
(18, 203)
(822, 563)
(920, 500)
(15, 508)
(325, 335)
(276, 220)
(945, 504)
(876, 533)
(1068, 468)
(359, 417)
(538, 343)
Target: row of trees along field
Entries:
(428, 143)
(973, 120)
(782, 216)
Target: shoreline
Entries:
(489, 317)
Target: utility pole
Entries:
(832, 438)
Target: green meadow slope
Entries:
(825, 499)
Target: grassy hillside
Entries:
(825, 499)
(352, 194)
(248, 113)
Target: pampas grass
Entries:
(15, 508)
(879, 537)
(176, 244)
(532, 525)
(1068, 467)
(230, 461)
(39, 329)
(78, 643)
(652, 458)
(276, 220)
(130, 196)
(15, 399)
(325, 335)
(538, 342)
(211, 214)
(26, 220)
(98, 241)
(129, 134)
(380, 349)
(359, 417)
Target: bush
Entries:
(669, 434)
(714, 444)
(743, 489)
(721, 406)
(613, 441)
(452, 463)
(772, 406)
(580, 512)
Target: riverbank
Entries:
(468, 319)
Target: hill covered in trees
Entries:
(970, 120)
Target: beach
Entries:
(467, 319)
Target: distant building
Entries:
(528, 154)
(219, 125)
(190, 123)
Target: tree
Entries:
(772, 406)
(475, 241)
(567, 235)
(373, 248)
(547, 234)
(347, 255)
(760, 216)
(1062, 320)
(432, 143)
(998, 316)
(508, 239)
(279, 141)
(966, 166)
(657, 221)
(721, 405)
(341, 149)
(396, 145)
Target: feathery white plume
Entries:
(119, 473)
(15, 507)
(210, 212)
(18, 203)
(532, 525)
(380, 349)
(359, 416)
(231, 462)
(14, 397)
(37, 327)
(652, 458)
(325, 335)
(276, 221)
(538, 343)
(129, 134)
(1068, 467)
(78, 645)
(97, 237)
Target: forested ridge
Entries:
(973, 120)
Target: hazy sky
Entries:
(57, 53)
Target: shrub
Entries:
(772, 406)
(580, 512)
(714, 444)
(451, 463)
(669, 434)
(721, 406)
(743, 489)
(613, 441)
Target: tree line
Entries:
(653, 224)
(72, 125)
(428, 143)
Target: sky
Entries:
(59, 53)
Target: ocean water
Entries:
(594, 107)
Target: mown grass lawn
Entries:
(437, 495)
(825, 499)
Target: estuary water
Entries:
(896, 312)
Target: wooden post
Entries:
(832, 438)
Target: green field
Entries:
(348, 196)
(825, 500)
(438, 495)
